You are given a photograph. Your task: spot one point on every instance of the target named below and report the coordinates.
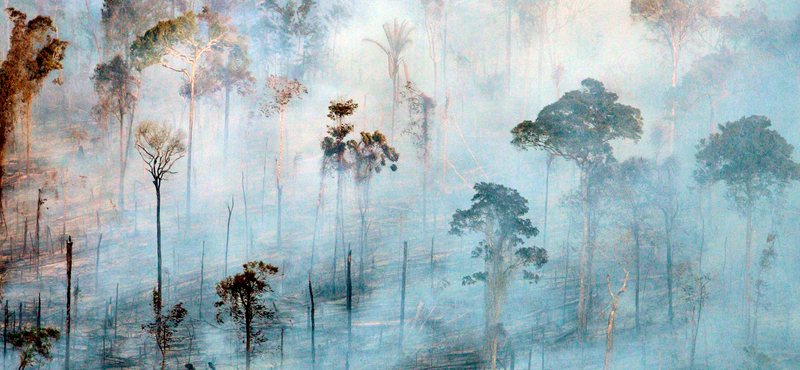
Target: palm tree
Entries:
(397, 39)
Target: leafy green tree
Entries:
(497, 212)
(337, 159)
(164, 327)
(34, 345)
(709, 80)
(242, 300)
(398, 38)
(370, 155)
(674, 23)
(421, 109)
(579, 127)
(281, 92)
(755, 163)
(187, 40)
(116, 88)
(34, 52)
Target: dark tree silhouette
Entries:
(497, 212)
(160, 147)
(579, 127)
(242, 301)
(754, 162)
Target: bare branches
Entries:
(160, 148)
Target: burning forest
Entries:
(409, 185)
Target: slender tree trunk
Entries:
(278, 184)
(189, 150)
(202, 278)
(121, 163)
(403, 295)
(227, 115)
(349, 308)
(585, 277)
(695, 330)
(248, 327)
(69, 304)
(227, 239)
(546, 198)
(320, 198)
(508, 46)
(670, 312)
(637, 256)
(339, 228)
(749, 240)
(313, 325)
(611, 315)
(158, 245)
(28, 105)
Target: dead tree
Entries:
(69, 303)
(614, 306)
(403, 294)
(228, 235)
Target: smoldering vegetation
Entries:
(434, 184)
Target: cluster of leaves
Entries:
(123, 20)
(282, 91)
(398, 38)
(164, 327)
(148, 49)
(753, 160)
(114, 84)
(673, 16)
(580, 125)
(334, 146)
(242, 298)
(497, 213)
(371, 154)
(34, 345)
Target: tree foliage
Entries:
(34, 345)
(160, 147)
(752, 160)
(242, 299)
(115, 87)
(336, 157)
(497, 213)
(295, 33)
(580, 125)
(164, 327)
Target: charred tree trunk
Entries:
(313, 325)
(69, 303)
(227, 238)
(202, 278)
(610, 326)
(227, 111)
(585, 274)
(349, 307)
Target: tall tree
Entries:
(674, 23)
(497, 212)
(421, 109)
(295, 34)
(370, 155)
(579, 127)
(116, 89)
(181, 44)
(242, 300)
(633, 195)
(755, 163)
(336, 158)
(398, 38)
(281, 91)
(160, 148)
(34, 52)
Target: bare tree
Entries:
(160, 148)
